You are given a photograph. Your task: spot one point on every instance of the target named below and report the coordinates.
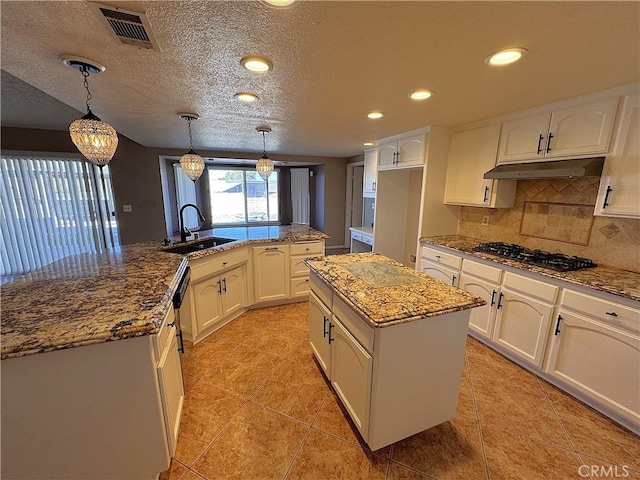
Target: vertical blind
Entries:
(51, 208)
(300, 195)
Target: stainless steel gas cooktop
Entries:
(554, 261)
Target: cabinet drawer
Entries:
(605, 311)
(367, 239)
(531, 287)
(298, 268)
(356, 326)
(323, 292)
(299, 287)
(481, 270)
(162, 336)
(307, 248)
(356, 236)
(217, 262)
(438, 256)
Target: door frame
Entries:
(349, 201)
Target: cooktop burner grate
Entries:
(540, 258)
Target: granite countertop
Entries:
(94, 298)
(385, 292)
(622, 283)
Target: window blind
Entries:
(300, 195)
(51, 208)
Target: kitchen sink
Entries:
(201, 245)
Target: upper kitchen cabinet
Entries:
(619, 194)
(472, 153)
(370, 172)
(401, 152)
(575, 130)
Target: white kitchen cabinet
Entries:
(619, 194)
(271, 272)
(217, 298)
(368, 366)
(595, 349)
(401, 152)
(472, 153)
(361, 239)
(319, 319)
(351, 369)
(484, 281)
(575, 130)
(525, 309)
(370, 172)
(441, 265)
(299, 282)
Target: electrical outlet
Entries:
(412, 257)
(485, 220)
(126, 208)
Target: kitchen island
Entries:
(91, 379)
(391, 341)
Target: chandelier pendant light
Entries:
(192, 164)
(264, 165)
(95, 139)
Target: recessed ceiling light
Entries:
(256, 64)
(375, 115)
(246, 97)
(279, 3)
(421, 94)
(505, 57)
(368, 144)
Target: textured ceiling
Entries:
(333, 63)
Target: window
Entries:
(51, 208)
(239, 196)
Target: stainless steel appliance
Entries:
(555, 261)
(178, 298)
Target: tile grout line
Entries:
(475, 407)
(295, 456)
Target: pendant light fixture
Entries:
(264, 165)
(192, 163)
(95, 139)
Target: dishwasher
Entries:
(178, 298)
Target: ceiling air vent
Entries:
(131, 28)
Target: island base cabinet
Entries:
(85, 413)
(319, 318)
(599, 361)
(351, 374)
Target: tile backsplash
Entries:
(556, 215)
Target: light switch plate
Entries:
(485, 220)
(126, 208)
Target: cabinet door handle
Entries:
(493, 298)
(306, 280)
(558, 325)
(549, 142)
(540, 138)
(180, 341)
(171, 325)
(611, 314)
(453, 280)
(486, 193)
(324, 326)
(500, 301)
(605, 204)
(374, 186)
(219, 287)
(330, 327)
(224, 285)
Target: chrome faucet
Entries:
(184, 231)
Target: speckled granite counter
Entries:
(618, 282)
(386, 293)
(94, 298)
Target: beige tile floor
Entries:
(257, 407)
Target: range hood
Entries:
(584, 167)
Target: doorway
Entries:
(354, 199)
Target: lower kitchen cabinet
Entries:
(217, 298)
(523, 321)
(482, 319)
(299, 284)
(596, 357)
(440, 265)
(271, 273)
(395, 381)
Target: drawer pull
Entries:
(272, 248)
(224, 263)
(171, 325)
(611, 314)
(493, 298)
(500, 301)
(558, 325)
(438, 257)
(306, 280)
(324, 326)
